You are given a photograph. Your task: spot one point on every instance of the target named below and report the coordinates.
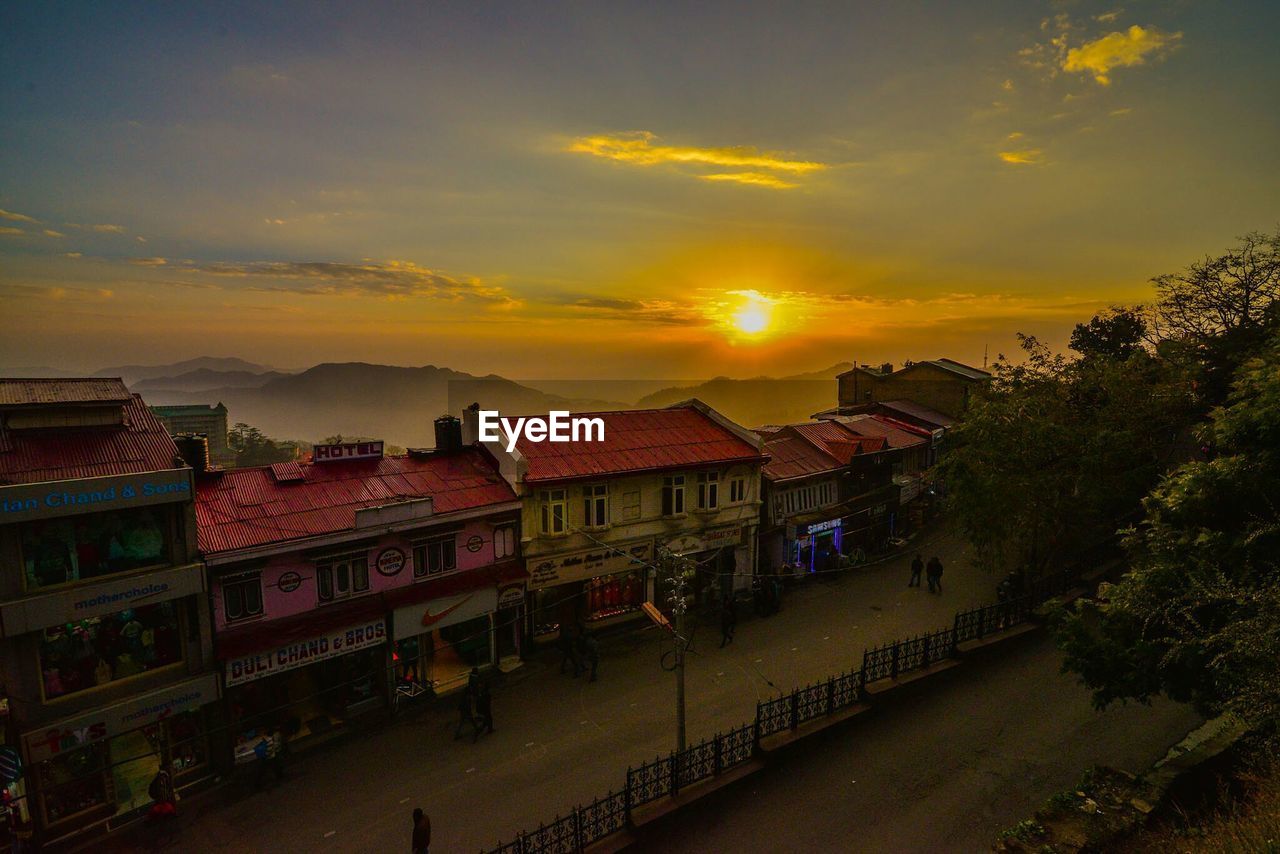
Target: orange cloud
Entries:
(1119, 50)
(758, 179)
(1023, 157)
(639, 149)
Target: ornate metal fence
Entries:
(603, 817)
(649, 782)
(773, 716)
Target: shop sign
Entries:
(713, 539)
(909, 488)
(347, 451)
(26, 501)
(440, 613)
(511, 596)
(579, 566)
(329, 645)
(288, 582)
(390, 561)
(132, 714)
(829, 525)
(108, 596)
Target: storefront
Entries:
(717, 555)
(98, 766)
(590, 587)
(439, 641)
(816, 546)
(310, 687)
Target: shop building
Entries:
(594, 512)
(828, 493)
(104, 628)
(204, 420)
(941, 384)
(344, 585)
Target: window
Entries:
(339, 577)
(595, 505)
(708, 490)
(86, 653)
(552, 503)
(242, 596)
(60, 551)
(737, 490)
(437, 556)
(504, 542)
(673, 495)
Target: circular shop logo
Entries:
(390, 561)
(475, 543)
(289, 582)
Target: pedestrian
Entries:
(484, 710)
(917, 567)
(421, 831)
(588, 650)
(728, 621)
(164, 809)
(466, 713)
(569, 650)
(758, 596)
(934, 571)
(775, 600)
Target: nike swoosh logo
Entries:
(429, 618)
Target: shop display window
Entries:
(468, 640)
(92, 652)
(188, 746)
(61, 551)
(619, 593)
(73, 782)
(135, 759)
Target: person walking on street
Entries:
(588, 652)
(421, 831)
(917, 567)
(466, 713)
(569, 650)
(728, 621)
(484, 710)
(164, 810)
(934, 571)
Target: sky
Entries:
(614, 190)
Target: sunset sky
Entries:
(608, 190)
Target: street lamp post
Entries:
(679, 606)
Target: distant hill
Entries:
(761, 400)
(205, 379)
(134, 373)
(358, 399)
(38, 371)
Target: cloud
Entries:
(49, 232)
(149, 262)
(7, 229)
(758, 179)
(1007, 85)
(1023, 157)
(101, 228)
(1122, 111)
(71, 254)
(659, 311)
(16, 217)
(1017, 134)
(639, 148)
(1108, 17)
(1119, 50)
(390, 279)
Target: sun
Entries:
(751, 319)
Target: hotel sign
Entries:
(26, 501)
(347, 451)
(579, 566)
(329, 645)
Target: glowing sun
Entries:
(752, 318)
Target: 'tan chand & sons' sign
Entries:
(300, 654)
(26, 501)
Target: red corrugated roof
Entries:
(140, 444)
(52, 392)
(635, 441)
(922, 413)
(792, 456)
(799, 450)
(899, 434)
(243, 508)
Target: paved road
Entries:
(945, 771)
(562, 741)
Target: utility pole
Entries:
(679, 606)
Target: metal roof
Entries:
(635, 441)
(920, 413)
(899, 434)
(61, 392)
(800, 450)
(243, 508)
(960, 368)
(140, 444)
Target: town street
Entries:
(561, 741)
(946, 770)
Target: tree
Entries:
(1117, 334)
(253, 448)
(1197, 616)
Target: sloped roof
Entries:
(250, 507)
(800, 450)
(899, 434)
(140, 444)
(62, 392)
(960, 368)
(914, 410)
(636, 441)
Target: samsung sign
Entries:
(27, 501)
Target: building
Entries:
(594, 512)
(210, 421)
(828, 492)
(916, 450)
(104, 620)
(941, 384)
(342, 585)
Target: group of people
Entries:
(766, 592)
(579, 649)
(475, 708)
(932, 570)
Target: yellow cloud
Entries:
(638, 148)
(149, 262)
(1007, 85)
(758, 179)
(1118, 50)
(1026, 156)
(49, 232)
(5, 229)
(16, 217)
(1017, 134)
